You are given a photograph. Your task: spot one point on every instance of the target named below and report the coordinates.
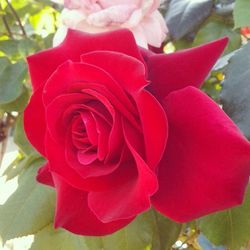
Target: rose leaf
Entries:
(12, 76)
(29, 208)
(148, 231)
(20, 138)
(185, 15)
(230, 228)
(241, 13)
(235, 94)
(216, 29)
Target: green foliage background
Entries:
(27, 26)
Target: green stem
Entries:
(7, 26)
(5, 125)
(17, 18)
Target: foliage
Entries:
(236, 89)
(148, 231)
(29, 209)
(233, 227)
(28, 26)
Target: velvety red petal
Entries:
(44, 175)
(146, 53)
(76, 43)
(90, 126)
(73, 213)
(81, 77)
(56, 156)
(103, 131)
(130, 199)
(34, 121)
(132, 79)
(55, 110)
(58, 165)
(170, 72)
(206, 164)
(94, 169)
(72, 77)
(155, 127)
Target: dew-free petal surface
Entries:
(206, 164)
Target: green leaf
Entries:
(19, 165)
(230, 228)
(29, 209)
(18, 49)
(20, 138)
(18, 104)
(17, 4)
(44, 20)
(241, 13)
(11, 78)
(150, 231)
(4, 62)
(235, 95)
(9, 47)
(216, 29)
(185, 15)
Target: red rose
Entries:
(122, 132)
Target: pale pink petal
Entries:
(60, 35)
(150, 6)
(140, 37)
(154, 29)
(134, 20)
(109, 3)
(115, 15)
(71, 18)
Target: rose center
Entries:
(85, 137)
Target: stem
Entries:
(190, 238)
(5, 125)
(7, 27)
(17, 18)
(3, 150)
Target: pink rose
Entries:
(141, 17)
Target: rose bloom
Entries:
(93, 16)
(124, 129)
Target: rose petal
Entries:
(34, 121)
(94, 169)
(90, 126)
(71, 77)
(154, 24)
(146, 54)
(73, 213)
(140, 36)
(86, 157)
(75, 77)
(129, 199)
(43, 64)
(56, 157)
(44, 175)
(113, 15)
(108, 3)
(155, 127)
(114, 63)
(206, 164)
(170, 72)
(55, 110)
(59, 166)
